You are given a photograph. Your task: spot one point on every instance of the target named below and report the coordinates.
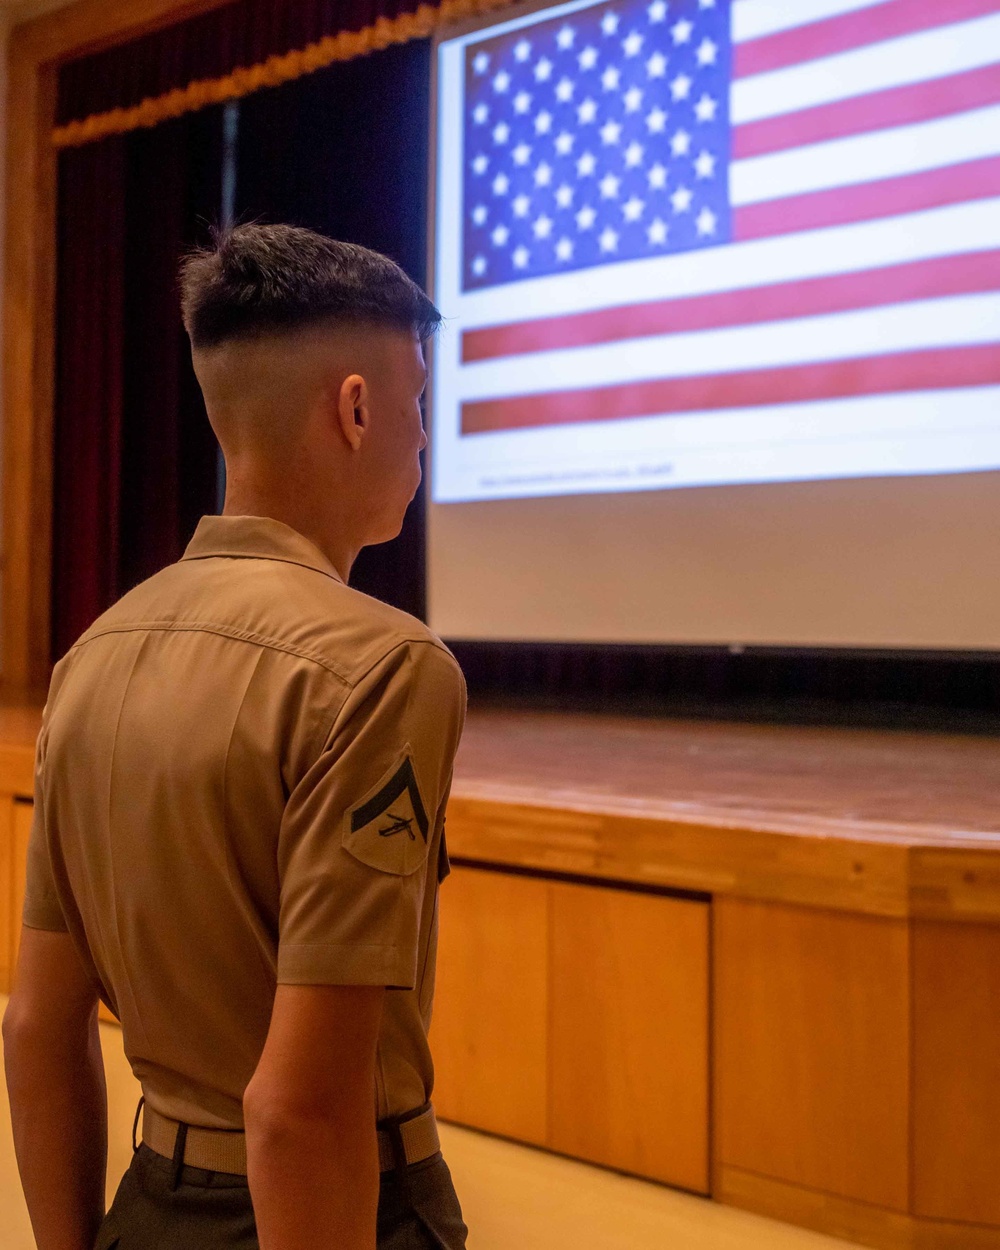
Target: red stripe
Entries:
(864, 114)
(838, 206)
(869, 288)
(940, 368)
(888, 20)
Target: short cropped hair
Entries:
(261, 279)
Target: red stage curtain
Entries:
(134, 459)
(211, 45)
(89, 373)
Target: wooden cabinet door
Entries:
(812, 1019)
(629, 1043)
(956, 1076)
(489, 1032)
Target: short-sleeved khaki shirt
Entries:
(241, 780)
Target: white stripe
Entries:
(957, 321)
(893, 63)
(896, 62)
(863, 158)
(849, 419)
(815, 253)
(815, 436)
(754, 18)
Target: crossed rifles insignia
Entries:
(384, 828)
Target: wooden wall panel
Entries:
(812, 1049)
(956, 1068)
(629, 1035)
(489, 1032)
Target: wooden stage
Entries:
(759, 963)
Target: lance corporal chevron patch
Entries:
(389, 829)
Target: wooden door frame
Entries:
(36, 49)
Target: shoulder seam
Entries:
(382, 656)
(209, 627)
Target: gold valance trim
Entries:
(270, 73)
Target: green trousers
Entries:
(417, 1210)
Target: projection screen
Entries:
(721, 359)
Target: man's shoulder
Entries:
(274, 603)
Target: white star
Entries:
(522, 102)
(657, 230)
(658, 177)
(479, 164)
(681, 199)
(501, 132)
(521, 256)
(633, 99)
(656, 121)
(500, 235)
(564, 143)
(542, 227)
(564, 195)
(480, 114)
(479, 214)
(587, 111)
(705, 108)
(585, 218)
(611, 132)
(501, 82)
(588, 58)
(543, 123)
(609, 23)
(501, 184)
(681, 31)
(565, 38)
(481, 62)
(704, 165)
(611, 78)
(706, 4)
(479, 266)
(656, 66)
(564, 249)
(632, 43)
(521, 204)
(657, 10)
(633, 154)
(522, 50)
(706, 52)
(706, 222)
(680, 144)
(543, 175)
(543, 70)
(564, 90)
(632, 208)
(586, 165)
(608, 240)
(521, 154)
(609, 185)
(680, 88)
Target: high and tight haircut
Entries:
(264, 279)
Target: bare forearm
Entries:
(58, 1105)
(314, 1183)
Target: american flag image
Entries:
(604, 137)
(697, 206)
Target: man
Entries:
(240, 790)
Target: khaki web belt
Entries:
(225, 1150)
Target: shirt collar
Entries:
(256, 537)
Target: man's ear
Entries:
(352, 409)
